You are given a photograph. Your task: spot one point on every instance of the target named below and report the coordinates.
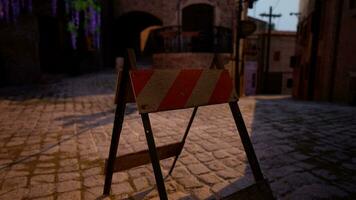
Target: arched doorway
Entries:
(131, 32)
(199, 18)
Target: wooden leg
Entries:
(154, 157)
(118, 121)
(245, 139)
(183, 140)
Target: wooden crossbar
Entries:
(136, 159)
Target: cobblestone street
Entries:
(54, 139)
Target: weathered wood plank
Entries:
(136, 159)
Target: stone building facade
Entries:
(169, 11)
(186, 33)
(254, 51)
(177, 33)
(280, 80)
(280, 73)
(326, 46)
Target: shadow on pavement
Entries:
(102, 83)
(88, 121)
(304, 149)
(85, 123)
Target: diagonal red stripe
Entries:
(181, 89)
(223, 89)
(139, 79)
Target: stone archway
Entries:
(199, 18)
(129, 28)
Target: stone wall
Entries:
(336, 61)
(281, 50)
(19, 51)
(167, 10)
(346, 58)
(284, 43)
(326, 48)
(190, 60)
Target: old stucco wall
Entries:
(167, 11)
(345, 79)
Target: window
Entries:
(352, 4)
(289, 83)
(277, 56)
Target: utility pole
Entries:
(297, 14)
(238, 60)
(179, 23)
(237, 48)
(270, 16)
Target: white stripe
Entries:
(156, 90)
(204, 88)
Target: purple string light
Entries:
(2, 12)
(10, 10)
(15, 9)
(66, 5)
(18, 7)
(76, 18)
(54, 7)
(30, 5)
(74, 40)
(92, 20)
(6, 10)
(98, 31)
(86, 29)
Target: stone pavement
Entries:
(54, 139)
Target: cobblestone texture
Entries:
(54, 139)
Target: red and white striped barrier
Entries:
(167, 89)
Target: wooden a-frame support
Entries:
(154, 154)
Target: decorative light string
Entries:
(10, 10)
(91, 21)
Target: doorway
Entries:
(129, 30)
(199, 18)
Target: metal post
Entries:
(268, 49)
(179, 26)
(245, 139)
(270, 16)
(119, 119)
(117, 128)
(237, 48)
(154, 157)
(183, 140)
